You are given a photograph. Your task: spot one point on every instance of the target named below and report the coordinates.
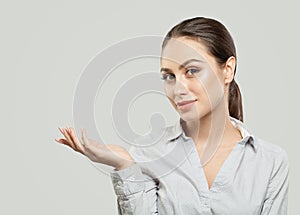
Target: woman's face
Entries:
(193, 81)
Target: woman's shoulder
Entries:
(262, 146)
(271, 151)
(268, 146)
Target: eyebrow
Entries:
(182, 65)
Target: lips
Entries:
(185, 102)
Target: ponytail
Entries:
(235, 101)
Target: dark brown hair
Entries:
(219, 44)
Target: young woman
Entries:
(208, 162)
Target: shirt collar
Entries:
(176, 130)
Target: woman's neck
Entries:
(212, 131)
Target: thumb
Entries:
(84, 137)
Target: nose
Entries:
(180, 88)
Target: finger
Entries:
(75, 140)
(65, 142)
(77, 146)
(83, 135)
(63, 131)
(84, 138)
(62, 141)
(60, 129)
(68, 128)
(67, 136)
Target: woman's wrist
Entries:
(124, 165)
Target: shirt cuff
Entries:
(128, 181)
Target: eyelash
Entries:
(165, 76)
(194, 69)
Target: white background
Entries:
(44, 48)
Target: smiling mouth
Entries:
(182, 103)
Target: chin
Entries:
(189, 116)
(194, 115)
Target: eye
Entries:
(192, 71)
(168, 77)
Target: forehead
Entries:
(178, 50)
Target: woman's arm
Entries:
(276, 201)
(109, 154)
(136, 192)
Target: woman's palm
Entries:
(109, 154)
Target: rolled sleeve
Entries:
(128, 181)
(136, 191)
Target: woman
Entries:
(209, 162)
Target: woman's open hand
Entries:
(109, 154)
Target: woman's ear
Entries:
(229, 70)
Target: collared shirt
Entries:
(168, 178)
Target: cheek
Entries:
(169, 92)
(214, 90)
(208, 89)
(199, 90)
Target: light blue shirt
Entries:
(167, 177)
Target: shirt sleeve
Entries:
(276, 201)
(136, 192)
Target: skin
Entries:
(109, 154)
(207, 122)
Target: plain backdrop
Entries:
(45, 45)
